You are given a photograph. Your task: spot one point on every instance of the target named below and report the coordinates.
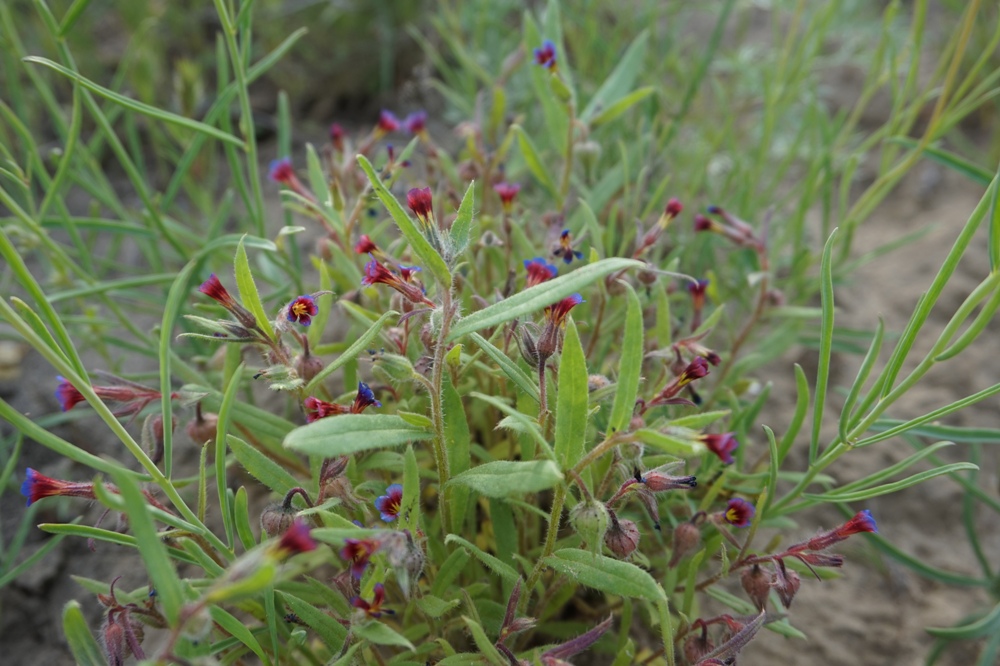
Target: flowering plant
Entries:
(495, 396)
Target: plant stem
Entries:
(555, 518)
(437, 408)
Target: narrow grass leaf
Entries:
(428, 256)
(826, 341)
(351, 433)
(83, 645)
(571, 400)
(492, 563)
(458, 440)
(987, 625)
(973, 172)
(675, 446)
(535, 298)
(248, 291)
(502, 478)
(509, 367)
(629, 366)
(620, 81)
(238, 630)
(517, 420)
(154, 553)
(534, 161)
(613, 111)
(605, 574)
(887, 488)
(451, 568)
(138, 107)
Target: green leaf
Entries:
(699, 421)
(86, 651)
(485, 645)
(238, 630)
(535, 298)
(825, 343)
(260, 467)
(571, 401)
(381, 634)
(410, 504)
(332, 632)
(434, 607)
(351, 352)
(629, 366)
(248, 291)
(509, 367)
(461, 228)
(518, 421)
(138, 107)
(428, 256)
(503, 478)
(987, 625)
(154, 552)
(492, 563)
(887, 488)
(351, 433)
(605, 574)
(619, 107)
(675, 446)
(450, 570)
(534, 161)
(972, 171)
(620, 81)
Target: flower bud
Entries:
(697, 646)
(276, 519)
(528, 345)
(595, 382)
(647, 277)
(622, 537)
(786, 583)
(307, 366)
(590, 520)
(687, 538)
(757, 584)
(203, 427)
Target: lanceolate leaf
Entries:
(535, 298)
(429, 257)
(351, 352)
(248, 290)
(462, 226)
(605, 574)
(503, 478)
(630, 365)
(262, 468)
(351, 433)
(492, 563)
(571, 401)
(82, 644)
(621, 80)
(509, 367)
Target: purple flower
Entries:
(365, 398)
(539, 271)
(739, 512)
(545, 55)
(721, 445)
(302, 310)
(388, 505)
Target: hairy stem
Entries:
(437, 408)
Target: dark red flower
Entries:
(739, 512)
(213, 288)
(507, 192)
(132, 398)
(302, 310)
(420, 201)
(557, 312)
(539, 271)
(416, 122)
(373, 609)
(337, 137)
(545, 55)
(702, 223)
(376, 273)
(861, 522)
(674, 208)
(281, 171)
(320, 409)
(388, 505)
(38, 486)
(696, 369)
(296, 539)
(387, 122)
(365, 245)
(358, 552)
(721, 445)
